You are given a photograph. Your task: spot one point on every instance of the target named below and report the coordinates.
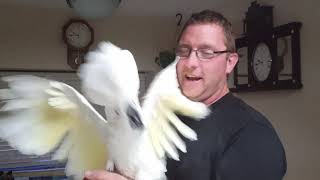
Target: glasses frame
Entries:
(215, 53)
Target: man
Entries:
(235, 142)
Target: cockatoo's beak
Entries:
(134, 118)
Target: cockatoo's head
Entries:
(122, 69)
(125, 78)
(110, 78)
(110, 75)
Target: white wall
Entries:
(31, 39)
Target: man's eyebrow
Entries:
(203, 46)
(184, 45)
(206, 46)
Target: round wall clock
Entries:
(78, 35)
(261, 62)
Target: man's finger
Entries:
(102, 175)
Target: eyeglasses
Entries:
(202, 54)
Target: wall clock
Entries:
(261, 62)
(79, 36)
(266, 61)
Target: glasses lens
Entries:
(205, 53)
(183, 51)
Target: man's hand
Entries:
(102, 175)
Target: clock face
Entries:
(262, 61)
(78, 35)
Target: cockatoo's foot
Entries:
(110, 166)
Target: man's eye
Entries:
(183, 50)
(206, 51)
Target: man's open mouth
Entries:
(193, 78)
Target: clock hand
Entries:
(258, 62)
(73, 34)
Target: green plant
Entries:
(165, 58)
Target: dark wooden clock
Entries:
(266, 62)
(79, 36)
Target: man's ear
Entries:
(232, 60)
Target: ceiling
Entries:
(137, 7)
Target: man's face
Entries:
(199, 80)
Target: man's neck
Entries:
(218, 95)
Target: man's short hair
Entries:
(210, 16)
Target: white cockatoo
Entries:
(48, 116)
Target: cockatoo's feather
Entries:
(162, 101)
(45, 116)
(110, 74)
(42, 119)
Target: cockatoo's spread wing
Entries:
(41, 116)
(162, 102)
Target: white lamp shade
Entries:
(95, 8)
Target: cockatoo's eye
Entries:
(134, 117)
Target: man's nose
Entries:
(192, 60)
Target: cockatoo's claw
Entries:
(110, 166)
